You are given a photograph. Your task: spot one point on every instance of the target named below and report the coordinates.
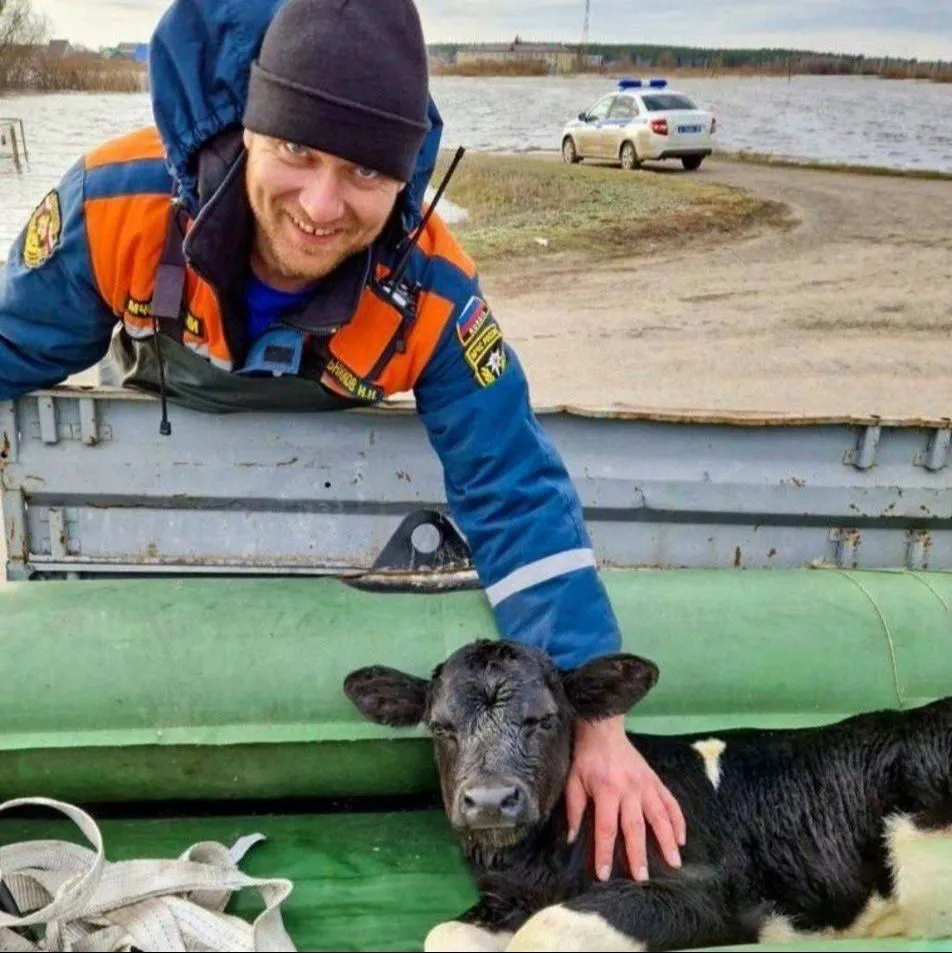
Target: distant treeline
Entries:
(495, 68)
(28, 61)
(40, 72)
(645, 56)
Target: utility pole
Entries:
(583, 50)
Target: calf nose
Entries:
(495, 806)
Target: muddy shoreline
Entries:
(847, 312)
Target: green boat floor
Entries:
(362, 881)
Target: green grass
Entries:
(597, 211)
(763, 158)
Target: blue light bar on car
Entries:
(639, 83)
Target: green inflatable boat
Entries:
(140, 697)
(179, 617)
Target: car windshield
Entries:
(667, 101)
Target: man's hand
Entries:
(618, 779)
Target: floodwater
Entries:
(858, 120)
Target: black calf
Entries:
(830, 831)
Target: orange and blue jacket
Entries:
(88, 258)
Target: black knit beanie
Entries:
(348, 77)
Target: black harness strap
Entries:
(169, 290)
(167, 300)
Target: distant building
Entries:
(58, 49)
(134, 52)
(26, 50)
(559, 57)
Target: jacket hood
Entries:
(199, 65)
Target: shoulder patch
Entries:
(481, 339)
(43, 232)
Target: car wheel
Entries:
(629, 156)
(569, 154)
(692, 163)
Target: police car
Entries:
(641, 120)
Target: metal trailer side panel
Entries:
(89, 486)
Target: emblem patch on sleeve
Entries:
(482, 343)
(43, 232)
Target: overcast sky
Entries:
(919, 28)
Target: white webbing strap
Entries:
(88, 904)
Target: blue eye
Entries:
(362, 172)
(294, 149)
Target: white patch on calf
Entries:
(779, 929)
(560, 930)
(880, 918)
(921, 862)
(710, 751)
(456, 937)
(920, 907)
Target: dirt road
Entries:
(848, 312)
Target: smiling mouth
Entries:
(312, 230)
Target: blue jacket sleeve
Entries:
(510, 494)
(53, 322)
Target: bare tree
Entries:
(23, 32)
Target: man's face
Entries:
(312, 210)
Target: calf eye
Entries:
(442, 729)
(545, 723)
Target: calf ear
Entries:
(386, 696)
(610, 685)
